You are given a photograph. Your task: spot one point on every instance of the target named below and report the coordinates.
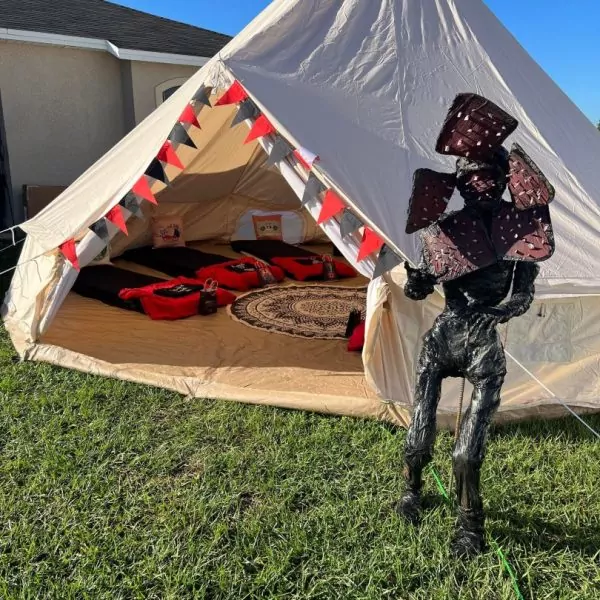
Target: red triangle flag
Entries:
(115, 216)
(168, 155)
(371, 242)
(69, 251)
(142, 189)
(189, 116)
(305, 157)
(261, 127)
(236, 93)
(332, 205)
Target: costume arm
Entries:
(522, 292)
(420, 282)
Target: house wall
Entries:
(63, 109)
(146, 77)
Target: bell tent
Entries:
(344, 100)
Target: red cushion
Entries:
(171, 308)
(228, 276)
(302, 269)
(357, 339)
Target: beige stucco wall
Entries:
(145, 79)
(63, 109)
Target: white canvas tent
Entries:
(366, 86)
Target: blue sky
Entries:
(560, 35)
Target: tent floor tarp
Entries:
(174, 355)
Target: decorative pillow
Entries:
(268, 227)
(293, 226)
(167, 232)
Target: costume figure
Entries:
(478, 254)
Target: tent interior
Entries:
(224, 183)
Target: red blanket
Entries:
(313, 267)
(178, 298)
(241, 274)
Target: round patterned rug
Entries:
(314, 312)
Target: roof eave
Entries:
(69, 41)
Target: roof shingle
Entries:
(126, 28)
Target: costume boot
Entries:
(469, 539)
(409, 506)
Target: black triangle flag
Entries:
(314, 187)
(281, 149)
(349, 223)
(179, 135)
(100, 228)
(386, 261)
(247, 110)
(157, 171)
(202, 96)
(132, 204)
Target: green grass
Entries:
(111, 490)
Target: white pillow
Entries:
(293, 225)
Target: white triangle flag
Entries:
(306, 157)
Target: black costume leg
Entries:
(420, 438)
(468, 456)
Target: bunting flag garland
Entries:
(179, 135)
(349, 223)
(370, 243)
(143, 190)
(247, 110)
(69, 251)
(101, 230)
(168, 155)
(332, 205)
(132, 204)
(386, 261)
(189, 116)
(281, 150)
(115, 216)
(157, 172)
(313, 189)
(261, 127)
(203, 96)
(234, 95)
(305, 157)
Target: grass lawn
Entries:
(112, 490)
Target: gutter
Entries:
(70, 41)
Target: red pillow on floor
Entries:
(240, 275)
(159, 307)
(357, 339)
(302, 269)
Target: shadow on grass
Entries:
(542, 535)
(567, 429)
